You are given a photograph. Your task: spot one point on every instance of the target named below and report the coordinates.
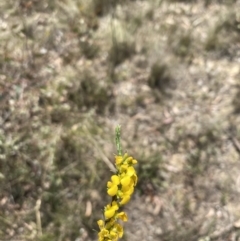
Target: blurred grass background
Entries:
(167, 71)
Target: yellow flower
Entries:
(127, 190)
(113, 235)
(112, 231)
(104, 233)
(129, 177)
(113, 186)
(118, 160)
(100, 224)
(110, 210)
(131, 161)
(120, 188)
(123, 168)
(125, 199)
(122, 216)
(125, 181)
(132, 173)
(110, 222)
(117, 231)
(125, 194)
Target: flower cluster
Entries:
(120, 188)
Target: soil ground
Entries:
(166, 71)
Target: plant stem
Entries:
(118, 140)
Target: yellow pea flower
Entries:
(120, 188)
(113, 185)
(118, 160)
(122, 216)
(110, 210)
(104, 233)
(125, 199)
(118, 230)
(132, 173)
(100, 224)
(125, 181)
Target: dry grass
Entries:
(167, 71)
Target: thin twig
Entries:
(236, 144)
(38, 217)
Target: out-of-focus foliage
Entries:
(167, 71)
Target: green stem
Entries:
(118, 140)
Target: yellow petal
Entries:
(113, 235)
(112, 191)
(102, 234)
(125, 199)
(109, 184)
(135, 179)
(134, 161)
(110, 210)
(110, 223)
(100, 224)
(115, 179)
(125, 181)
(128, 190)
(114, 205)
(118, 159)
(122, 216)
(109, 213)
(129, 159)
(131, 171)
(123, 168)
(119, 230)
